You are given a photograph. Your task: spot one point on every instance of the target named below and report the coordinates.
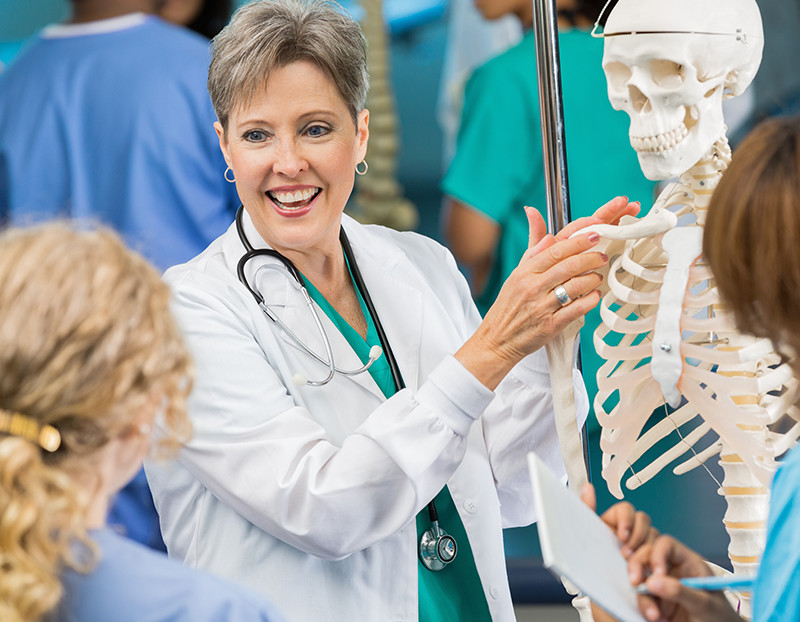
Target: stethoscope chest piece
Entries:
(437, 548)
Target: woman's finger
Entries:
(641, 532)
(610, 214)
(564, 316)
(550, 252)
(537, 228)
(576, 287)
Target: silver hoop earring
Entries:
(366, 167)
(225, 175)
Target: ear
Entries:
(362, 134)
(223, 142)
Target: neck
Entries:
(701, 180)
(94, 10)
(97, 511)
(326, 270)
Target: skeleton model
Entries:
(379, 198)
(664, 335)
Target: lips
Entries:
(294, 200)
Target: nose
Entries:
(639, 100)
(289, 160)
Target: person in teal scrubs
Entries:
(498, 167)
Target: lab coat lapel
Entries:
(397, 303)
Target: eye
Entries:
(317, 130)
(255, 136)
(667, 74)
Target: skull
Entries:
(669, 64)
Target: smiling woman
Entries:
(315, 491)
(294, 150)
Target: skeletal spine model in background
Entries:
(664, 335)
(379, 197)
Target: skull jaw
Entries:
(698, 139)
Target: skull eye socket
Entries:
(617, 75)
(667, 74)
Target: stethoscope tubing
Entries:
(394, 369)
(251, 253)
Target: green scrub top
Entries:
(456, 592)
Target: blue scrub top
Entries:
(132, 583)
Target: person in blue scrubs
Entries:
(106, 118)
(90, 356)
(750, 242)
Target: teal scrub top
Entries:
(456, 592)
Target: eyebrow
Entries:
(303, 117)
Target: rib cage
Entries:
(731, 388)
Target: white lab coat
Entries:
(308, 494)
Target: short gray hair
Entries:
(265, 35)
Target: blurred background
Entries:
(432, 47)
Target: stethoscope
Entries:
(436, 547)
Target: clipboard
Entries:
(578, 546)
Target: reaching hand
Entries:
(633, 528)
(608, 214)
(554, 284)
(661, 564)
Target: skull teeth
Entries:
(660, 143)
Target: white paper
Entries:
(579, 547)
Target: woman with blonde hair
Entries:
(89, 357)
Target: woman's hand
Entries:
(632, 528)
(527, 312)
(608, 214)
(660, 565)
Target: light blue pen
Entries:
(711, 584)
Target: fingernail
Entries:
(651, 613)
(604, 257)
(594, 236)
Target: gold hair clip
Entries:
(17, 424)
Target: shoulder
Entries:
(206, 290)
(518, 62)
(176, 37)
(409, 258)
(216, 261)
(131, 582)
(386, 243)
(504, 87)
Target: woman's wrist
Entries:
(489, 364)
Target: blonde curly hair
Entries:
(86, 342)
